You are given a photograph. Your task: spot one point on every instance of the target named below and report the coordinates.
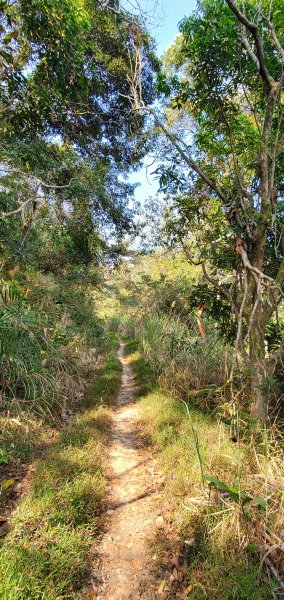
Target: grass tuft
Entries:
(217, 539)
(47, 553)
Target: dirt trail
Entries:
(121, 572)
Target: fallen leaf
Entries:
(160, 521)
(130, 544)
(182, 595)
(190, 542)
(137, 565)
(174, 561)
(189, 589)
(7, 484)
(161, 586)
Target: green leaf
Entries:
(219, 484)
(10, 36)
(260, 501)
(235, 493)
(4, 459)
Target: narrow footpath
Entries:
(121, 571)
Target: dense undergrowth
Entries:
(47, 552)
(50, 334)
(159, 297)
(159, 309)
(52, 340)
(223, 495)
(220, 538)
(60, 372)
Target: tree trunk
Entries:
(259, 383)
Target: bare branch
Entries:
(19, 209)
(275, 39)
(7, 169)
(240, 249)
(185, 155)
(35, 184)
(253, 29)
(245, 43)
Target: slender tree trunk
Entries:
(259, 384)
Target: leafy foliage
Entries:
(66, 65)
(67, 142)
(42, 326)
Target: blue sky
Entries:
(168, 14)
(173, 11)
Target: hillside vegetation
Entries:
(223, 493)
(188, 284)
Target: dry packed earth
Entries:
(121, 570)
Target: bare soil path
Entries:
(121, 571)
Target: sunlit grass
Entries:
(47, 553)
(222, 559)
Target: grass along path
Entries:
(121, 569)
(206, 546)
(47, 554)
(158, 541)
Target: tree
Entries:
(68, 137)
(228, 76)
(65, 68)
(51, 198)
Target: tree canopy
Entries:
(223, 160)
(68, 136)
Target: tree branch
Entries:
(17, 210)
(187, 158)
(248, 48)
(253, 29)
(275, 39)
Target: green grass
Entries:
(222, 559)
(20, 436)
(107, 382)
(48, 552)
